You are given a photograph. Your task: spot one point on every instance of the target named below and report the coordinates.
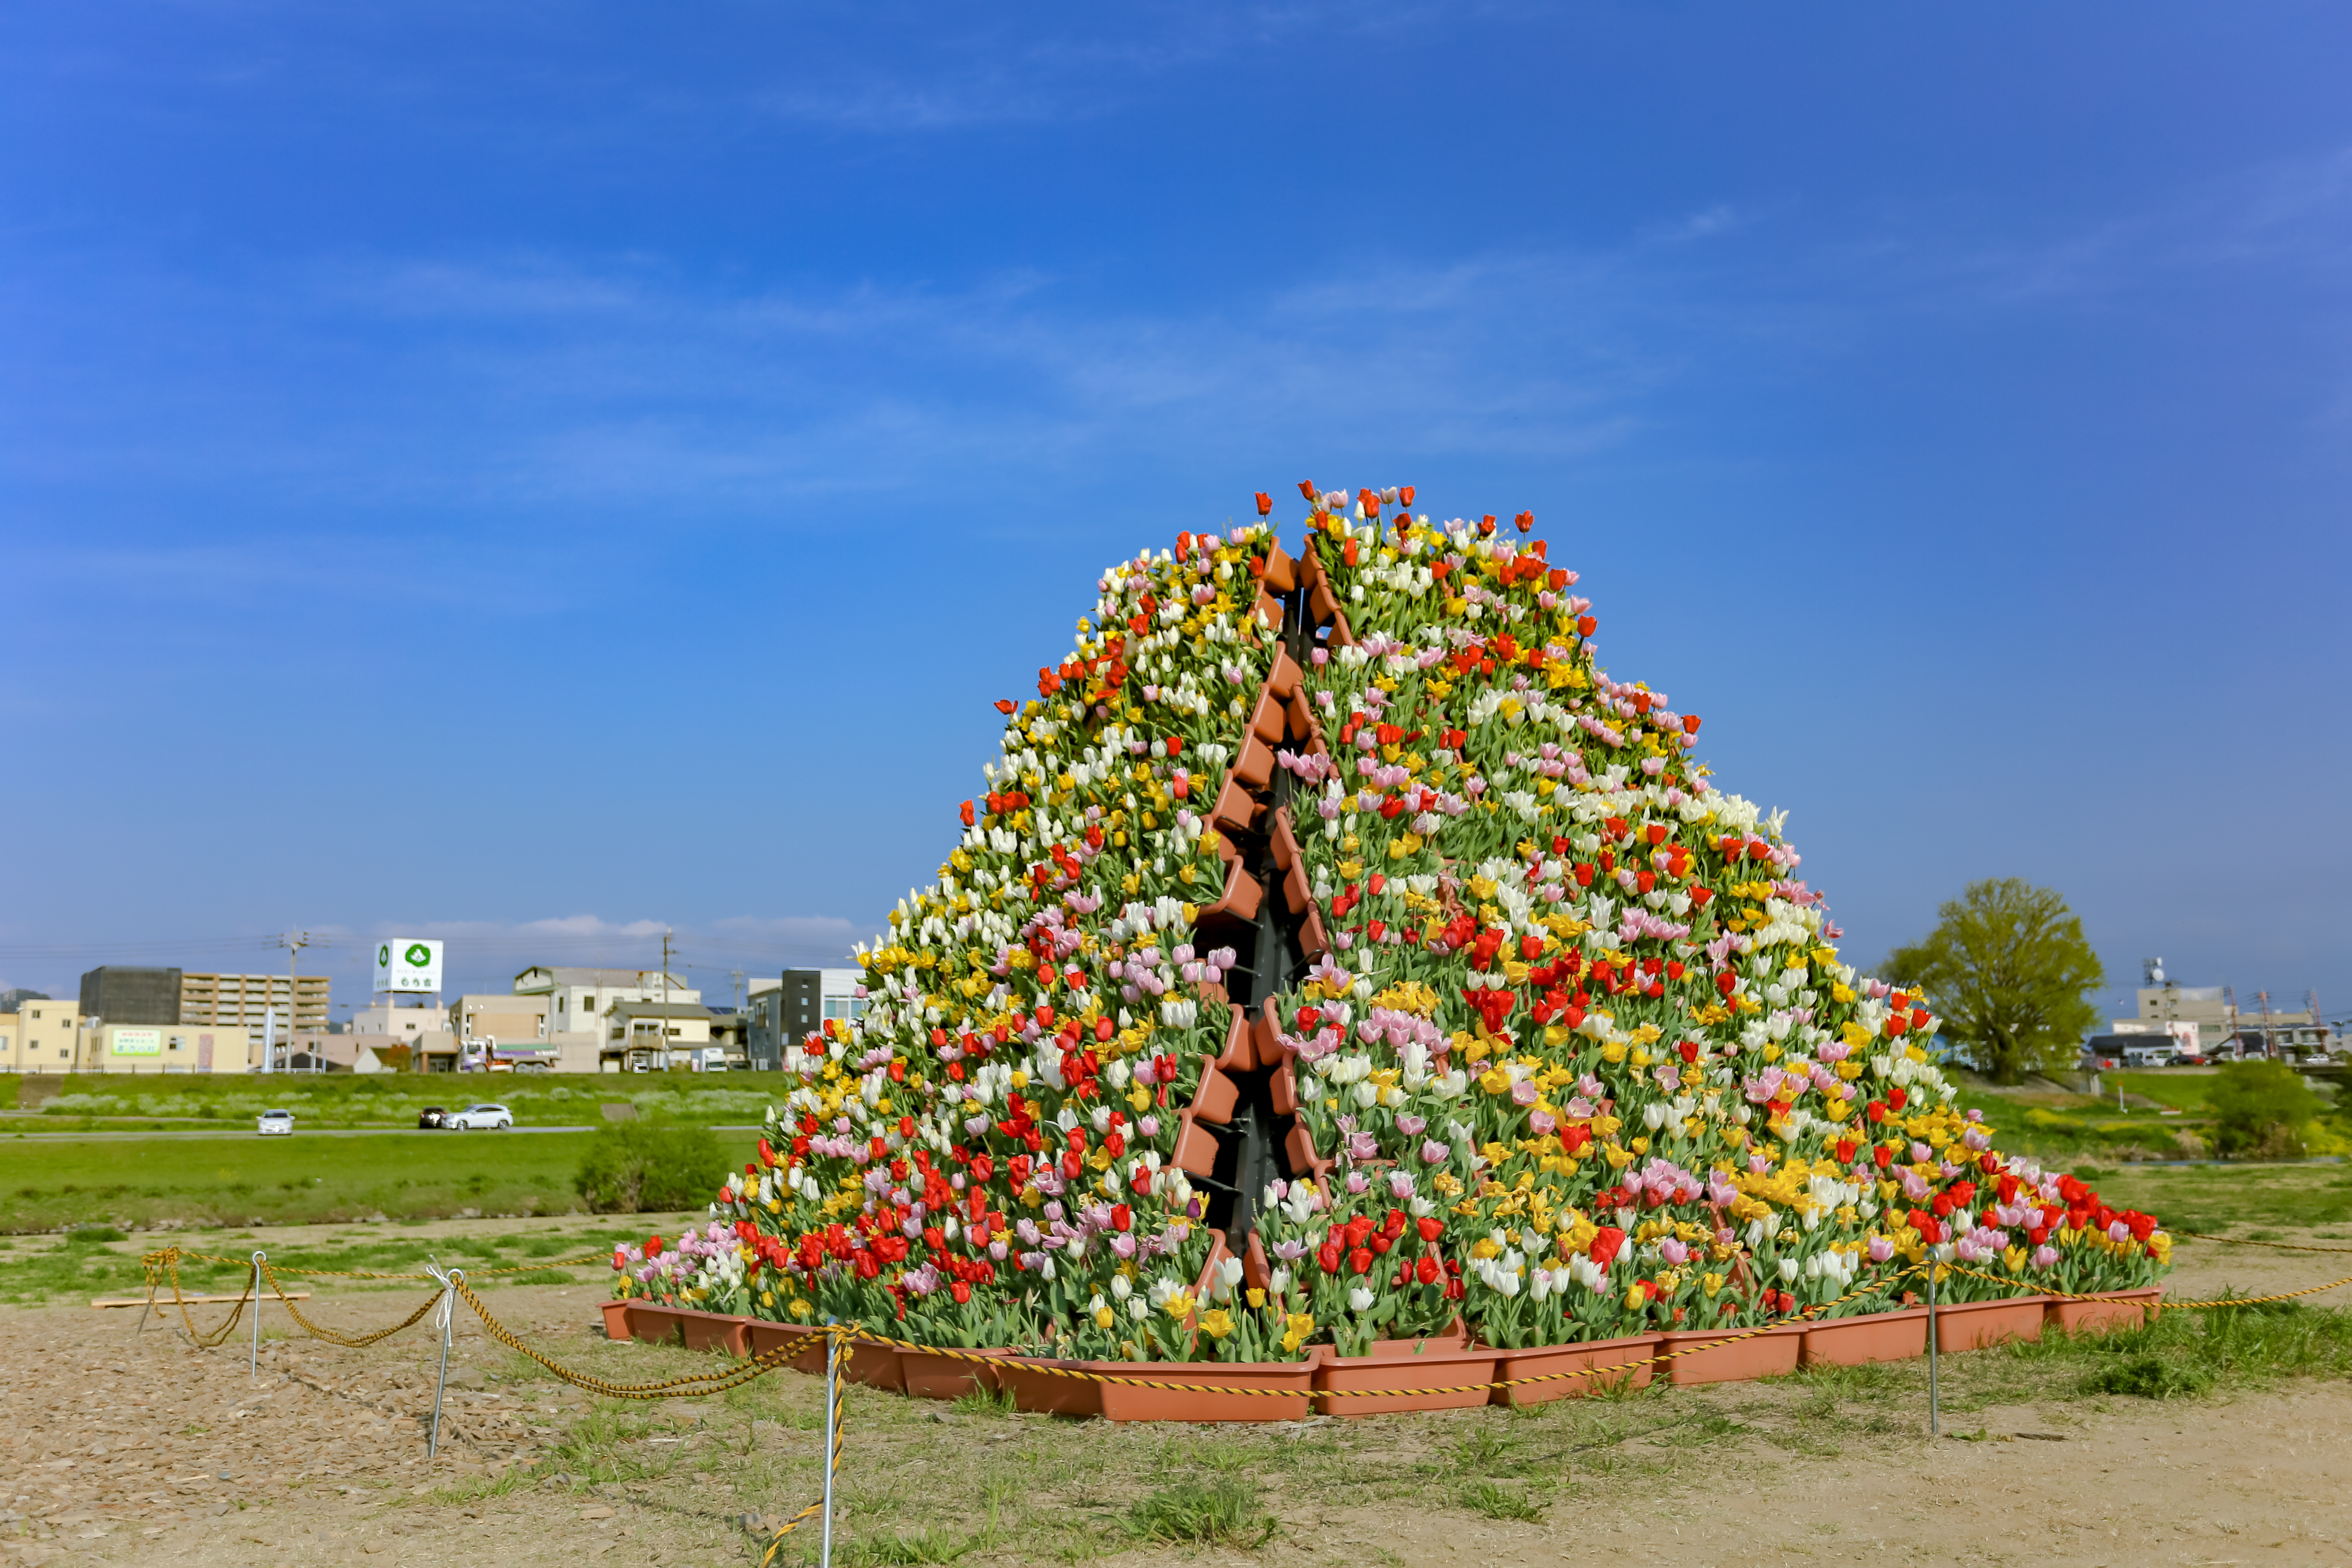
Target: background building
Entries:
(246, 1000)
(794, 1005)
(121, 995)
(44, 1036)
(654, 1036)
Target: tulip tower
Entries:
(1337, 952)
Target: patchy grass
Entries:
(246, 1179)
(1225, 1510)
(89, 1261)
(2231, 1199)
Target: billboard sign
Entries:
(137, 1043)
(405, 964)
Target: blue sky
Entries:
(533, 474)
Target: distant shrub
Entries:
(2260, 1110)
(637, 1167)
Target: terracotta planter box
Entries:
(1287, 1391)
(1282, 678)
(1713, 1357)
(1434, 1368)
(1196, 1147)
(721, 1332)
(1216, 1099)
(1974, 1325)
(1454, 1336)
(653, 1323)
(616, 1320)
(876, 1366)
(1042, 1392)
(1237, 808)
(1266, 721)
(2120, 1309)
(930, 1375)
(1544, 1360)
(765, 1337)
(1872, 1336)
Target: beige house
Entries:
(653, 1036)
(52, 1037)
(43, 1038)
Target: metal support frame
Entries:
(1251, 1147)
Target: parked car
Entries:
(270, 1121)
(432, 1116)
(497, 1118)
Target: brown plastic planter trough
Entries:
(1438, 1367)
(1872, 1336)
(1557, 1361)
(1978, 1325)
(1720, 1355)
(929, 1375)
(2120, 1309)
(683, 1326)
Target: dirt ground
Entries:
(125, 1444)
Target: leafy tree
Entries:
(2007, 970)
(639, 1167)
(2262, 1109)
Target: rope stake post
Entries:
(254, 1369)
(449, 1284)
(1935, 1418)
(831, 1420)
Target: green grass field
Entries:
(386, 1100)
(238, 1178)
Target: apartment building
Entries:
(232, 1001)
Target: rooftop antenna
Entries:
(2151, 971)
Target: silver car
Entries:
(497, 1118)
(270, 1121)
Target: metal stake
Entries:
(832, 1414)
(1934, 1416)
(449, 1315)
(253, 1369)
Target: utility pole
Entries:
(294, 941)
(662, 1024)
(736, 975)
(2262, 1000)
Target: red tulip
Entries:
(1265, 504)
(965, 812)
(1430, 1227)
(1404, 494)
(1525, 519)
(1307, 489)
(1486, 524)
(1005, 705)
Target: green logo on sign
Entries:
(384, 956)
(418, 954)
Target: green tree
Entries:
(2008, 972)
(640, 1167)
(2262, 1109)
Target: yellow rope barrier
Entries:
(2248, 1241)
(2118, 1296)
